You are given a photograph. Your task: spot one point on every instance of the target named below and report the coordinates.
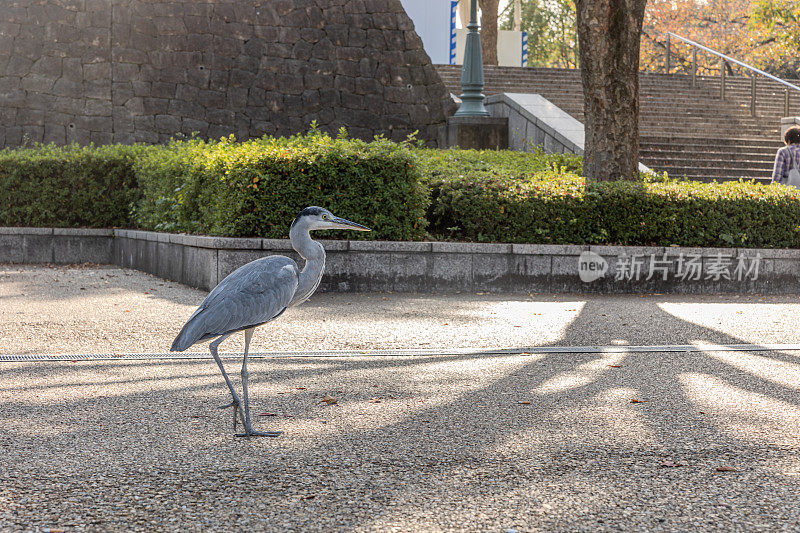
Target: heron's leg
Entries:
(248, 335)
(248, 426)
(235, 404)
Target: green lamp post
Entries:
(472, 72)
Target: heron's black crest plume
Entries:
(313, 210)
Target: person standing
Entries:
(787, 157)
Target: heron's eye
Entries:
(324, 217)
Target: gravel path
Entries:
(101, 309)
(427, 443)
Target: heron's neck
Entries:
(314, 254)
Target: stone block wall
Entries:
(55, 72)
(144, 70)
(445, 267)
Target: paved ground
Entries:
(413, 443)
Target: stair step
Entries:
(702, 143)
(675, 170)
(704, 162)
(674, 155)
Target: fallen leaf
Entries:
(670, 464)
(301, 388)
(524, 402)
(634, 400)
(330, 400)
(375, 400)
(615, 366)
(726, 468)
(310, 497)
(267, 414)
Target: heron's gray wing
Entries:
(254, 296)
(251, 295)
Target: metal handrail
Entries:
(723, 57)
(732, 60)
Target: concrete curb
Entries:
(368, 266)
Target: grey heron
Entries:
(257, 293)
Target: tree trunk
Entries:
(489, 30)
(608, 39)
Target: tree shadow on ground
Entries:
(455, 432)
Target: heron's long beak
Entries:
(340, 223)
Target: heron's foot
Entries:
(254, 433)
(229, 405)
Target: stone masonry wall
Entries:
(446, 267)
(144, 70)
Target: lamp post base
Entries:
(472, 106)
(476, 132)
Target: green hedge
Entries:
(68, 186)
(549, 207)
(466, 165)
(256, 188)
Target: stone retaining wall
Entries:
(56, 245)
(128, 71)
(445, 267)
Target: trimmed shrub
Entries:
(177, 190)
(256, 188)
(556, 208)
(68, 186)
(446, 165)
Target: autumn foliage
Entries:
(763, 33)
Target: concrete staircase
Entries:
(684, 131)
